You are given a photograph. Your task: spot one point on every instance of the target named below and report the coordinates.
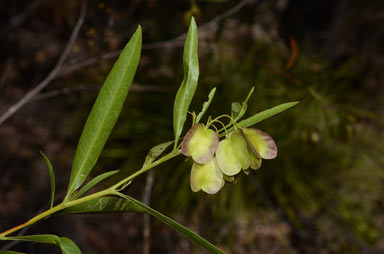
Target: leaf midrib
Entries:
(99, 127)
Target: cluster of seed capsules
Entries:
(218, 161)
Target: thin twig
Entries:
(65, 70)
(88, 88)
(5, 75)
(171, 43)
(213, 21)
(228, 13)
(13, 109)
(61, 69)
(23, 15)
(147, 219)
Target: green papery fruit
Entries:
(255, 161)
(207, 177)
(200, 143)
(261, 144)
(232, 154)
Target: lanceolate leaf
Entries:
(51, 177)
(93, 182)
(66, 245)
(105, 112)
(155, 152)
(206, 105)
(176, 226)
(266, 114)
(129, 204)
(103, 205)
(50, 239)
(188, 85)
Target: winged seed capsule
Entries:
(232, 154)
(206, 177)
(200, 143)
(216, 161)
(260, 143)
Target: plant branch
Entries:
(90, 88)
(109, 191)
(58, 208)
(163, 159)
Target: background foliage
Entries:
(323, 193)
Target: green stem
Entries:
(110, 191)
(57, 208)
(225, 127)
(142, 170)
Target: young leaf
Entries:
(249, 95)
(244, 105)
(103, 205)
(93, 182)
(235, 109)
(105, 112)
(51, 177)
(266, 114)
(176, 226)
(155, 152)
(188, 85)
(206, 105)
(66, 245)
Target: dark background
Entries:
(322, 194)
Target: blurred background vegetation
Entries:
(322, 194)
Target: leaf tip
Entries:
(138, 33)
(193, 21)
(139, 28)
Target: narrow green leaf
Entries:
(10, 252)
(50, 239)
(103, 205)
(244, 105)
(249, 95)
(105, 112)
(129, 204)
(176, 226)
(51, 177)
(155, 152)
(188, 85)
(266, 114)
(93, 182)
(206, 105)
(66, 245)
